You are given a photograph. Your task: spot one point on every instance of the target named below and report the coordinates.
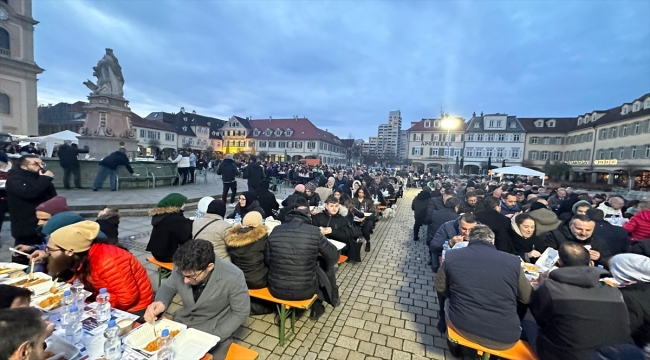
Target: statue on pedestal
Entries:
(108, 72)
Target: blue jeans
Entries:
(102, 173)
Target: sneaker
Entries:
(367, 246)
(94, 189)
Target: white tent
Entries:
(53, 139)
(519, 170)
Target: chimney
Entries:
(474, 114)
(481, 113)
(193, 111)
(183, 110)
(270, 118)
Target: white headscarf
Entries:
(630, 268)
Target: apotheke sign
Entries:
(436, 143)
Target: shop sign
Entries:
(437, 143)
(578, 162)
(606, 162)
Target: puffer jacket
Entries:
(215, 233)
(228, 170)
(170, 230)
(419, 206)
(123, 276)
(639, 225)
(291, 255)
(254, 206)
(246, 248)
(341, 227)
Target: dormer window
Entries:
(647, 104)
(427, 124)
(208, 123)
(513, 124)
(214, 133)
(267, 132)
(155, 115)
(436, 124)
(539, 123)
(288, 132)
(477, 125)
(184, 128)
(550, 123)
(185, 119)
(580, 120)
(625, 110)
(256, 132)
(278, 132)
(636, 107)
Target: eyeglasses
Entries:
(38, 163)
(195, 277)
(242, 199)
(49, 250)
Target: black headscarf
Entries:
(250, 197)
(217, 207)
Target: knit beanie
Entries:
(310, 186)
(537, 205)
(252, 219)
(217, 207)
(300, 188)
(60, 220)
(471, 183)
(77, 237)
(51, 207)
(578, 204)
(172, 200)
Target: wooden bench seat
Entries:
(238, 352)
(283, 306)
(520, 351)
(164, 269)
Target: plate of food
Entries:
(7, 269)
(146, 336)
(58, 348)
(51, 300)
(39, 284)
(531, 268)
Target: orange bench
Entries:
(164, 269)
(342, 259)
(238, 352)
(283, 306)
(380, 207)
(520, 351)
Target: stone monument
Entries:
(108, 116)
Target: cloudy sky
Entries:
(346, 64)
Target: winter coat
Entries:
(545, 221)
(123, 276)
(115, 159)
(366, 203)
(25, 191)
(215, 233)
(609, 211)
(341, 227)
(314, 199)
(554, 202)
(68, 156)
(419, 206)
(616, 237)
(228, 171)
(438, 218)
(246, 248)
(505, 210)
(292, 198)
(267, 201)
(467, 208)
(641, 247)
(498, 223)
(637, 299)
(562, 234)
(291, 255)
(578, 314)
(445, 232)
(434, 204)
(109, 225)
(517, 245)
(254, 173)
(639, 225)
(255, 206)
(170, 230)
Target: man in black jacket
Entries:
(70, 164)
(28, 185)
(419, 207)
(335, 226)
(229, 172)
(576, 312)
(498, 223)
(107, 168)
(617, 239)
(469, 203)
(291, 255)
(254, 173)
(580, 230)
(438, 202)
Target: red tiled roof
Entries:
(302, 128)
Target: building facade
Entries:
(435, 144)
(18, 70)
(497, 138)
(403, 145)
(59, 117)
(155, 137)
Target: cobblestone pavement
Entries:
(388, 308)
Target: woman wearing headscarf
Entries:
(312, 196)
(171, 228)
(213, 228)
(632, 271)
(247, 203)
(521, 239)
(246, 243)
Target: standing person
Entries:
(192, 158)
(171, 228)
(254, 173)
(70, 164)
(419, 207)
(229, 172)
(27, 186)
(108, 167)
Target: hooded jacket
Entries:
(228, 170)
(438, 218)
(545, 221)
(25, 191)
(562, 234)
(419, 206)
(341, 227)
(639, 225)
(170, 230)
(251, 205)
(215, 233)
(115, 159)
(578, 314)
(266, 199)
(254, 173)
(291, 255)
(246, 248)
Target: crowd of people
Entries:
(479, 232)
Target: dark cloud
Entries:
(345, 64)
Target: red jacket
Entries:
(124, 278)
(639, 225)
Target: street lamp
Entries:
(448, 123)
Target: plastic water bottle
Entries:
(238, 219)
(73, 327)
(66, 302)
(103, 306)
(165, 346)
(445, 247)
(112, 344)
(77, 289)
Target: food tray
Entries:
(367, 214)
(11, 265)
(143, 334)
(61, 348)
(39, 288)
(193, 344)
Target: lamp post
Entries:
(448, 123)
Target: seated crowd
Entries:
(484, 294)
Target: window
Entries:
(416, 151)
(427, 124)
(262, 144)
(491, 123)
(647, 104)
(532, 155)
(498, 123)
(624, 130)
(417, 137)
(513, 124)
(516, 137)
(624, 111)
(256, 132)
(469, 152)
(557, 155)
(251, 144)
(288, 133)
(267, 132)
(611, 154)
(282, 144)
(514, 153)
(636, 107)
(278, 132)
(534, 140)
(271, 144)
(581, 138)
(456, 151)
(489, 137)
(489, 152)
(621, 153)
(477, 125)
(580, 121)
(544, 155)
(142, 132)
(633, 152)
(501, 137)
(647, 151)
(614, 132)
(478, 137)
(446, 151)
(550, 123)
(479, 152)
(5, 49)
(590, 137)
(499, 153)
(436, 124)
(637, 128)
(579, 155)
(311, 145)
(547, 140)
(169, 137)
(539, 123)
(601, 155)
(588, 154)
(558, 140)
(603, 134)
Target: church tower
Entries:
(18, 104)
